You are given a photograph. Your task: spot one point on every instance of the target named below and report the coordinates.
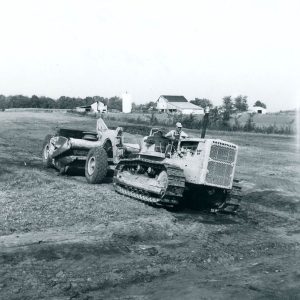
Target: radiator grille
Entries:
(219, 173)
(221, 164)
(223, 154)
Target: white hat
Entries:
(178, 124)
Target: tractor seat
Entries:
(90, 136)
(160, 142)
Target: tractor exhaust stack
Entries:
(205, 122)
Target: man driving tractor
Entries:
(176, 134)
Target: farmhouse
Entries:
(258, 110)
(95, 107)
(177, 104)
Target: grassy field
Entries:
(283, 122)
(61, 238)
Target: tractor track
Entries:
(174, 192)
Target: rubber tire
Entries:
(101, 164)
(47, 162)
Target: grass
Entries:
(272, 123)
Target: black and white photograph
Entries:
(149, 149)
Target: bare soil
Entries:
(61, 238)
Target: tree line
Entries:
(237, 104)
(63, 102)
(229, 106)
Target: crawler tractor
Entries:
(165, 172)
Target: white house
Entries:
(177, 104)
(258, 110)
(97, 106)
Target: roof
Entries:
(87, 106)
(175, 98)
(186, 105)
(258, 107)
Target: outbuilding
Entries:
(258, 110)
(97, 107)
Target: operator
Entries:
(177, 134)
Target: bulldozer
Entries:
(169, 173)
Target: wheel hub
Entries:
(162, 180)
(46, 151)
(91, 165)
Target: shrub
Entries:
(250, 125)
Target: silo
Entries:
(126, 103)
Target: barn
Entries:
(177, 104)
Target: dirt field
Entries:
(61, 238)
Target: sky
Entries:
(199, 49)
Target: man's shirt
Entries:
(174, 134)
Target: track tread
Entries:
(175, 189)
(232, 203)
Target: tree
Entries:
(19, 101)
(35, 101)
(47, 102)
(68, 102)
(149, 106)
(202, 102)
(250, 125)
(115, 103)
(228, 103)
(100, 99)
(260, 104)
(3, 102)
(240, 103)
(227, 108)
